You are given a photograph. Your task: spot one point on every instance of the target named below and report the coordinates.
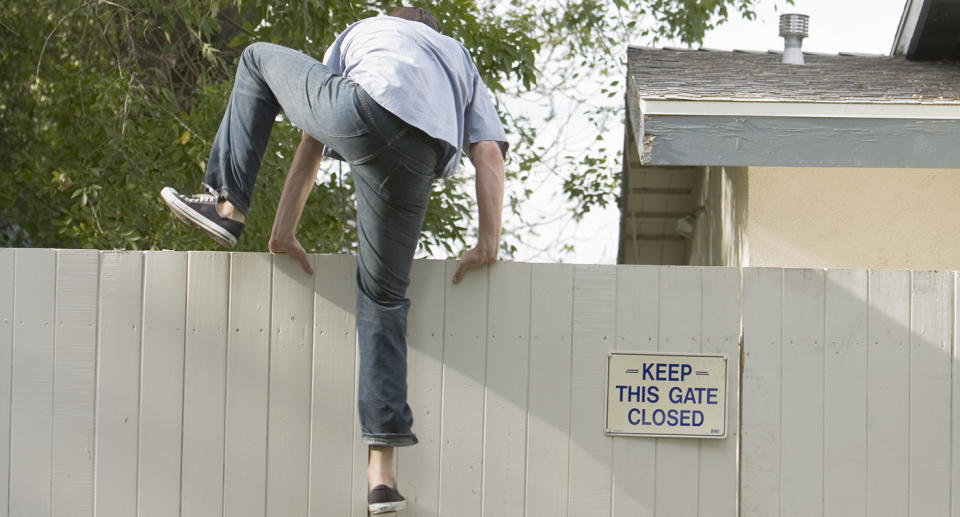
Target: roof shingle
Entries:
(674, 74)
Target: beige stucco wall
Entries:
(837, 217)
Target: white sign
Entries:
(654, 394)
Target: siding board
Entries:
(845, 394)
(505, 404)
(118, 383)
(7, 303)
(801, 467)
(75, 361)
(248, 359)
(418, 478)
(931, 338)
(888, 394)
(334, 364)
(204, 383)
(760, 434)
(720, 327)
(291, 361)
(464, 371)
(678, 459)
(161, 383)
(548, 404)
(638, 329)
(594, 329)
(31, 413)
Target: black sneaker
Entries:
(383, 499)
(200, 210)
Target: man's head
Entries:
(416, 14)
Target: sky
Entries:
(857, 26)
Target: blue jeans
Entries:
(393, 165)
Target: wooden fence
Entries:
(208, 384)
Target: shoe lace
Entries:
(210, 196)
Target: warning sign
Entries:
(654, 394)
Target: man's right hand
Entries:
(291, 246)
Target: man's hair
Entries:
(417, 14)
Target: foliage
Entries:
(103, 102)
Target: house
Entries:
(736, 158)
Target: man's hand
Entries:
(488, 161)
(296, 188)
(291, 246)
(473, 258)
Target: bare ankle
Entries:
(380, 467)
(229, 211)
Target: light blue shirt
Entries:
(425, 78)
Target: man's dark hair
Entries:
(417, 14)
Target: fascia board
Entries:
(777, 108)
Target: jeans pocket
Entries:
(347, 120)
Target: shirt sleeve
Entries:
(482, 122)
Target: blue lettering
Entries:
(685, 370)
(670, 418)
(620, 389)
(635, 395)
(647, 373)
(653, 394)
(673, 370)
(661, 372)
(712, 396)
(676, 395)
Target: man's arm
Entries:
(296, 189)
(488, 161)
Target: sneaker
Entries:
(383, 499)
(200, 210)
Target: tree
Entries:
(105, 101)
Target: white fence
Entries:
(207, 384)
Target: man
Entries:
(398, 101)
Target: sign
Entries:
(656, 394)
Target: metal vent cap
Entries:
(794, 24)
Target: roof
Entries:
(928, 30)
(680, 74)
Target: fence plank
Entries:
(6, 371)
(248, 359)
(955, 410)
(931, 338)
(678, 459)
(204, 383)
(888, 385)
(464, 369)
(845, 394)
(161, 382)
(334, 358)
(417, 476)
(594, 329)
(291, 361)
(31, 412)
(548, 404)
(721, 335)
(760, 420)
(802, 393)
(638, 329)
(118, 383)
(505, 406)
(75, 362)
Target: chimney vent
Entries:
(793, 28)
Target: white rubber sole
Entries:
(195, 219)
(378, 508)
